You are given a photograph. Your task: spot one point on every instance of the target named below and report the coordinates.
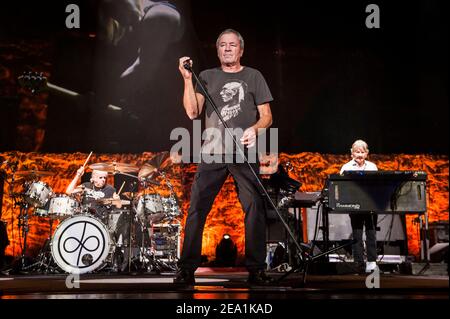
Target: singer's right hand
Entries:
(187, 75)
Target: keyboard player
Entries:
(359, 153)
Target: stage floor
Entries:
(220, 283)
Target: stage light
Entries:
(226, 252)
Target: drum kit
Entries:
(136, 234)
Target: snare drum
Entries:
(63, 206)
(38, 193)
(81, 244)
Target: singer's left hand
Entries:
(249, 137)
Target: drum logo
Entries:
(81, 245)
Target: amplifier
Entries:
(377, 191)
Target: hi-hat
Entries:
(34, 173)
(114, 167)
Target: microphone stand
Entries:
(300, 253)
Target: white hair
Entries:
(360, 144)
(96, 172)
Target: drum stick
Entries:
(87, 159)
(121, 188)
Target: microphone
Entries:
(187, 65)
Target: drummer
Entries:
(93, 191)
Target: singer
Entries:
(242, 97)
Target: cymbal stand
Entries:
(144, 256)
(133, 219)
(173, 195)
(145, 259)
(44, 257)
(23, 226)
(122, 253)
(169, 184)
(130, 241)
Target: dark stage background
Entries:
(333, 79)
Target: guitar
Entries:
(37, 83)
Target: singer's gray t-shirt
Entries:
(236, 96)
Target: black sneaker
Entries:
(184, 277)
(259, 277)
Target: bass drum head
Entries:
(80, 244)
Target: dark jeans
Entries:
(207, 183)
(368, 220)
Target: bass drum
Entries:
(81, 244)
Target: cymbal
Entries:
(146, 170)
(160, 160)
(34, 173)
(114, 167)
